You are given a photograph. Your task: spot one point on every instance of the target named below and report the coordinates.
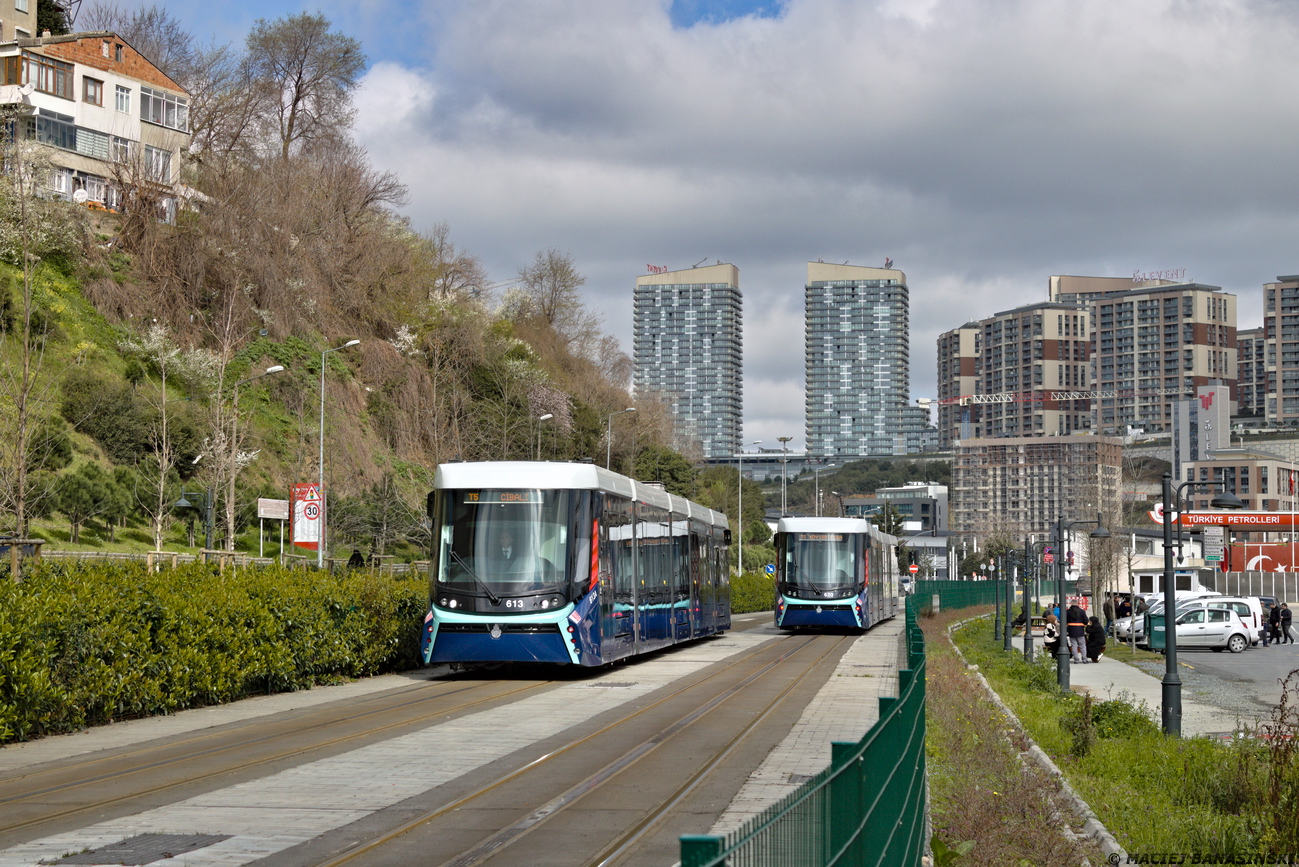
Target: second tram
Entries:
(567, 563)
(834, 572)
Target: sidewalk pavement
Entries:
(1112, 679)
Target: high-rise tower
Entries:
(688, 341)
(856, 339)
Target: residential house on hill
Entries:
(113, 120)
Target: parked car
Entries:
(1201, 624)
(1250, 609)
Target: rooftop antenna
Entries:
(700, 262)
(845, 261)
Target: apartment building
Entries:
(960, 364)
(1251, 372)
(1021, 485)
(857, 362)
(1281, 347)
(1153, 342)
(688, 345)
(1036, 353)
(1259, 477)
(18, 22)
(110, 118)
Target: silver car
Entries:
(1201, 625)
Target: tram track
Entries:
(146, 765)
(627, 839)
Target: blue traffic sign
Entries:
(770, 568)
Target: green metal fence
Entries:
(867, 808)
(957, 594)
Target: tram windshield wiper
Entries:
(492, 597)
(806, 580)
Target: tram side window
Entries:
(689, 563)
(655, 543)
(621, 549)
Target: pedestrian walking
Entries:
(1109, 610)
(1287, 637)
(1076, 627)
(1274, 623)
(1267, 624)
(1095, 639)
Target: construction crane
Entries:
(1043, 395)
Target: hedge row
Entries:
(84, 644)
(753, 591)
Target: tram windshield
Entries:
(822, 563)
(504, 543)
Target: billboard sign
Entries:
(275, 510)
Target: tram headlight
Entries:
(451, 604)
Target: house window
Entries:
(11, 72)
(119, 149)
(94, 91)
(21, 34)
(61, 181)
(58, 130)
(124, 99)
(49, 75)
(20, 5)
(157, 164)
(117, 52)
(103, 47)
(164, 109)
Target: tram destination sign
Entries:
(503, 497)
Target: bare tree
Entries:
(303, 75)
(550, 284)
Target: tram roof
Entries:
(823, 525)
(561, 475)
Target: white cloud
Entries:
(982, 145)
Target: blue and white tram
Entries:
(839, 572)
(567, 563)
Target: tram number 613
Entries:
(513, 603)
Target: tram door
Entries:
(618, 608)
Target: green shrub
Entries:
(754, 591)
(85, 644)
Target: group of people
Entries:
(1278, 626)
(1085, 635)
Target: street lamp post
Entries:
(816, 484)
(739, 489)
(234, 454)
(1028, 613)
(1063, 527)
(539, 421)
(320, 543)
(838, 496)
(608, 449)
(1011, 571)
(1171, 686)
(184, 503)
(996, 617)
(784, 472)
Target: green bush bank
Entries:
(85, 644)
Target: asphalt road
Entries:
(1239, 681)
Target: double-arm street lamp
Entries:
(1171, 690)
(1061, 530)
(608, 449)
(320, 543)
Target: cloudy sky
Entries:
(981, 144)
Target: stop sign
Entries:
(913, 568)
